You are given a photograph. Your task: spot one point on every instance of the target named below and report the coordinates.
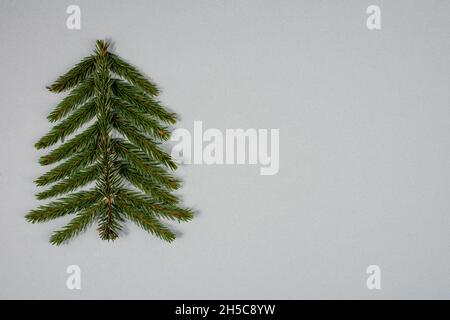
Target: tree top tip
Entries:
(102, 46)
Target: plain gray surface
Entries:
(364, 121)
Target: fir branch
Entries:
(148, 223)
(64, 206)
(77, 225)
(148, 186)
(101, 47)
(77, 97)
(132, 74)
(82, 115)
(74, 76)
(143, 102)
(140, 161)
(86, 139)
(74, 181)
(75, 163)
(143, 142)
(109, 221)
(109, 179)
(150, 207)
(140, 120)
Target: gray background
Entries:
(364, 123)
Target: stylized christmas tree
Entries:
(118, 154)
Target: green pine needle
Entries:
(134, 157)
(67, 205)
(134, 96)
(74, 181)
(77, 97)
(77, 225)
(148, 223)
(151, 207)
(80, 142)
(68, 126)
(65, 169)
(145, 143)
(130, 73)
(148, 186)
(141, 120)
(74, 76)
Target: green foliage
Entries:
(82, 141)
(119, 154)
(78, 224)
(130, 73)
(141, 120)
(77, 97)
(148, 185)
(74, 76)
(67, 205)
(74, 181)
(134, 157)
(137, 98)
(71, 166)
(68, 126)
(143, 142)
(150, 207)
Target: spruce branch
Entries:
(148, 186)
(77, 225)
(75, 163)
(74, 76)
(148, 223)
(77, 97)
(64, 206)
(140, 120)
(143, 142)
(82, 115)
(141, 101)
(74, 181)
(151, 207)
(132, 74)
(82, 141)
(109, 223)
(134, 157)
(130, 174)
